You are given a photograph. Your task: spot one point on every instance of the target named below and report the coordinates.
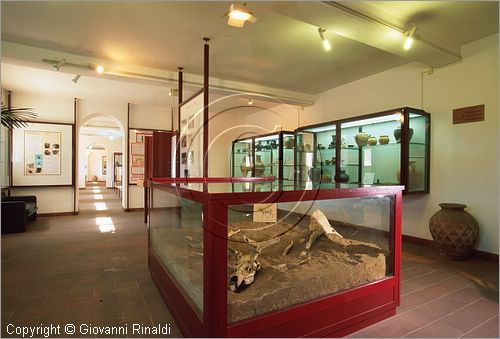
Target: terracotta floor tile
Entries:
(488, 329)
(435, 330)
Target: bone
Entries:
(233, 232)
(319, 222)
(288, 248)
(314, 235)
(260, 245)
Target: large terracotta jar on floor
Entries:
(454, 231)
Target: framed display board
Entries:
(42, 155)
(136, 163)
(191, 136)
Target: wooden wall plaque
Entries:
(468, 114)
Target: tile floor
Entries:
(92, 269)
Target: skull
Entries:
(244, 271)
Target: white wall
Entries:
(111, 146)
(49, 109)
(464, 158)
(94, 164)
(241, 123)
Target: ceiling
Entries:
(281, 54)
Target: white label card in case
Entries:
(265, 212)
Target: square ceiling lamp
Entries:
(238, 15)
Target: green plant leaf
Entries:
(17, 117)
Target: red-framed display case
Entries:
(250, 258)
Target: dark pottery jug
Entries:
(454, 231)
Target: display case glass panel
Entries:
(418, 151)
(265, 155)
(313, 249)
(317, 163)
(370, 152)
(242, 158)
(176, 237)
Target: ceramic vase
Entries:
(383, 139)
(288, 142)
(315, 174)
(361, 138)
(343, 176)
(397, 134)
(259, 166)
(244, 168)
(372, 141)
(454, 231)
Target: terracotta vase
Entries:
(288, 142)
(259, 166)
(361, 138)
(244, 168)
(383, 139)
(454, 231)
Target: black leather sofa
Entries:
(17, 211)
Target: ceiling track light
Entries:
(238, 15)
(325, 42)
(57, 64)
(409, 39)
(76, 78)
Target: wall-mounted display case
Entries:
(264, 155)
(384, 148)
(275, 261)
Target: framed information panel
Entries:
(136, 163)
(191, 137)
(42, 155)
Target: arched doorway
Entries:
(100, 176)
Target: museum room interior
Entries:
(258, 169)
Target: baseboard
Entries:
(133, 209)
(57, 214)
(430, 243)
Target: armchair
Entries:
(17, 211)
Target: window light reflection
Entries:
(98, 197)
(96, 190)
(100, 206)
(105, 224)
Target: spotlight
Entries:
(409, 38)
(250, 101)
(173, 92)
(99, 69)
(76, 78)
(326, 43)
(59, 64)
(238, 16)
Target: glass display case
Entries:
(233, 260)
(264, 155)
(316, 155)
(384, 148)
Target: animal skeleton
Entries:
(247, 265)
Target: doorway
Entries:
(100, 164)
